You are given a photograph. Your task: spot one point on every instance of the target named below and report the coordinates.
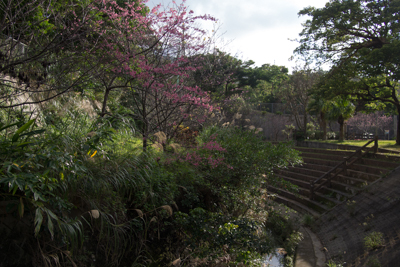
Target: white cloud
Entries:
(259, 29)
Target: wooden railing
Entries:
(341, 167)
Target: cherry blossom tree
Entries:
(151, 54)
(370, 122)
(145, 54)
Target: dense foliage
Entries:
(72, 196)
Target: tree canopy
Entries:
(363, 30)
(360, 39)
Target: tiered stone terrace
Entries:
(372, 185)
(318, 161)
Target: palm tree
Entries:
(340, 108)
(319, 107)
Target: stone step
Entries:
(383, 160)
(346, 153)
(344, 186)
(347, 177)
(378, 162)
(295, 205)
(362, 161)
(340, 196)
(337, 185)
(324, 151)
(337, 195)
(326, 196)
(357, 167)
(326, 156)
(316, 206)
(357, 176)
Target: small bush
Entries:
(221, 233)
(374, 240)
(299, 135)
(351, 206)
(308, 220)
(331, 135)
(332, 263)
(373, 262)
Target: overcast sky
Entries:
(258, 29)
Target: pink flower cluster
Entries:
(196, 158)
(213, 146)
(370, 122)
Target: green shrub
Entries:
(374, 240)
(332, 135)
(34, 176)
(247, 160)
(284, 233)
(308, 220)
(373, 262)
(212, 235)
(280, 226)
(299, 135)
(78, 199)
(351, 206)
(332, 263)
(319, 135)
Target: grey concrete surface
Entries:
(343, 230)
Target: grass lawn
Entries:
(387, 144)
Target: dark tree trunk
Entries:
(341, 132)
(104, 106)
(323, 125)
(305, 123)
(398, 126)
(144, 142)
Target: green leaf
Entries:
(49, 212)
(7, 126)
(50, 225)
(21, 129)
(15, 138)
(14, 189)
(38, 220)
(36, 196)
(21, 183)
(25, 126)
(46, 172)
(24, 144)
(33, 132)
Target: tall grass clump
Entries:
(68, 199)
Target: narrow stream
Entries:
(273, 260)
